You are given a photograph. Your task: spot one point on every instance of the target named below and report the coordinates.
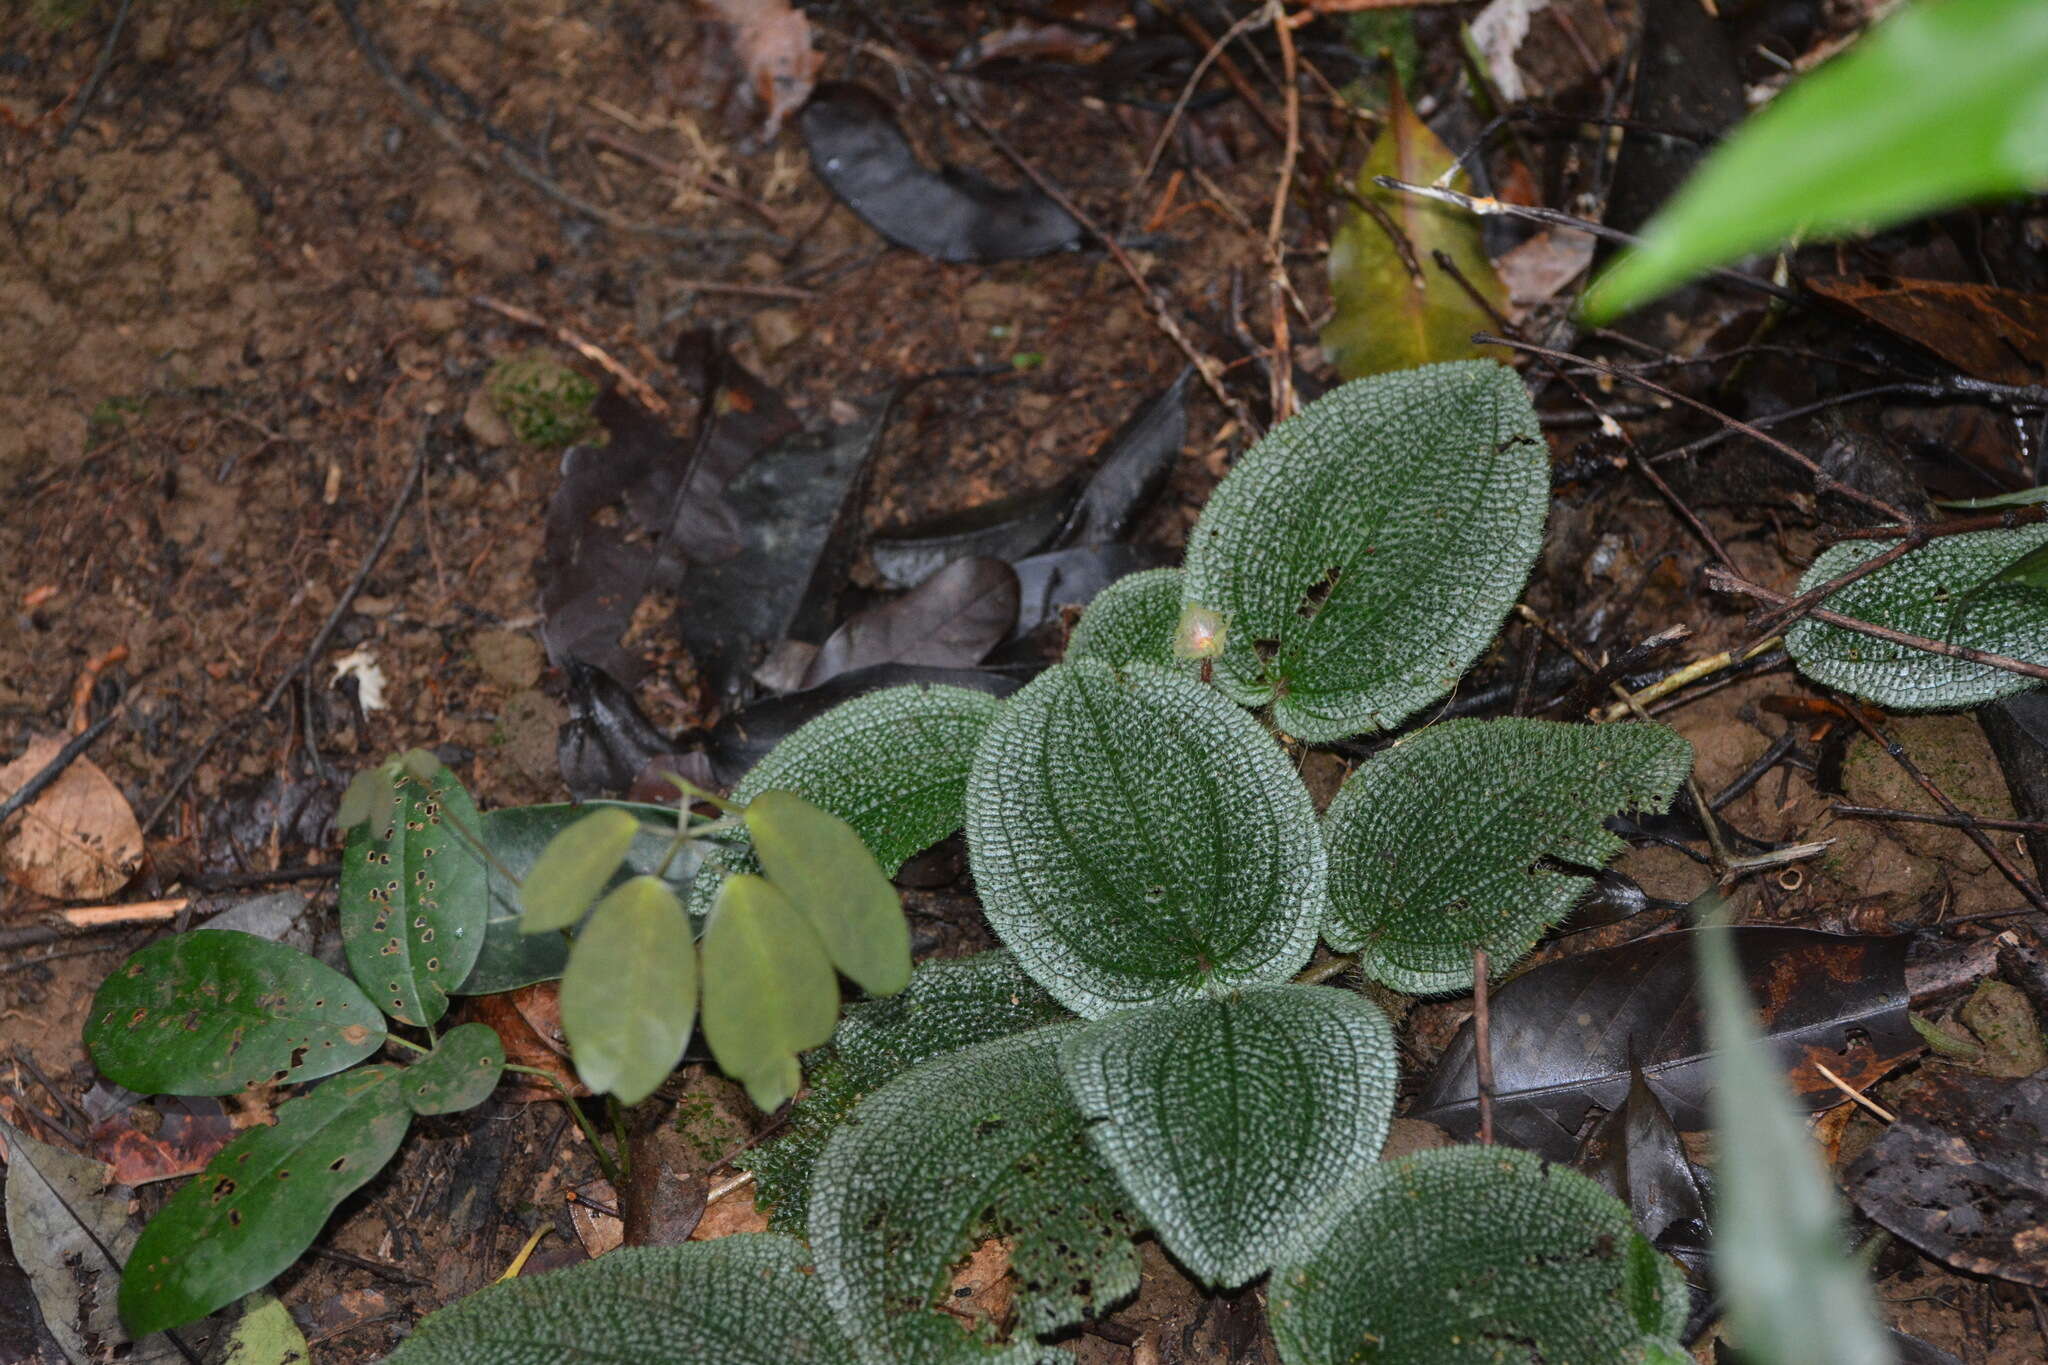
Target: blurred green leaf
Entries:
(1795, 1296)
(630, 993)
(816, 859)
(459, 1074)
(360, 798)
(1387, 317)
(769, 991)
(1944, 103)
(265, 1334)
(574, 868)
(262, 1200)
(2024, 498)
(212, 1011)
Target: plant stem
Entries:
(407, 1042)
(605, 1163)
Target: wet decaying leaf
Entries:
(1984, 331)
(951, 620)
(952, 214)
(1567, 1034)
(1072, 578)
(1963, 1174)
(1636, 1155)
(607, 740)
(172, 1136)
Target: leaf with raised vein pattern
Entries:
(1944, 590)
(1436, 844)
(947, 1006)
(1136, 837)
(893, 764)
(1364, 553)
(413, 897)
(980, 1142)
(1133, 620)
(1472, 1256)
(1234, 1121)
(741, 1300)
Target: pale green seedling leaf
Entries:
(1133, 620)
(1948, 590)
(748, 1299)
(1136, 837)
(1794, 1292)
(265, 1334)
(769, 991)
(574, 869)
(1235, 1121)
(413, 894)
(892, 764)
(459, 1074)
(947, 1006)
(1474, 1256)
(1437, 844)
(629, 996)
(1942, 104)
(819, 862)
(1365, 552)
(262, 1200)
(359, 800)
(982, 1142)
(515, 837)
(213, 1011)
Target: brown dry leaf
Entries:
(77, 841)
(528, 1022)
(1986, 332)
(773, 39)
(982, 1290)
(599, 1232)
(734, 1213)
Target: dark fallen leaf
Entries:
(1982, 330)
(1567, 1034)
(1613, 897)
(743, 738)
(1963, 1174)
(798, 534)
(1098, 509)
(2018, 730)
(606, 742)
(173, 1136)
(665, 1192)
(1072, 577)
(951, 620)
(1635, 1153)
(952, 214)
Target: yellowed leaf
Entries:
(78, 840)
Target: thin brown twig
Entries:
(1187, 92)
(1482, 1046)
(1922, 817)
(589, 350)
(1282, 373)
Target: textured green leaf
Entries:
(741, 1300)
(1364, 553)
(817, 860)
(1478, 1255)
(769, 991)
(515, 836)
(413, 897)
(459, 1074)
(574, 869)
(212, 1011)
(1942, 104)
(1132, 621)
(1436, 844)
(629, 995)
(947, 1006)
(1235, 1121)
(1794, 1292)
(1136, 837)
(262, 1200)
(980, 1142)
(893, 764)
(1938, 591)
(1383, 315)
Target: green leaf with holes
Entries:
(1439, 845)
(984, 1142)
(892, 764)
(817, 860)
(262, 1200)
(1950, 589)
(1475, 1255)
(459, 1074)
(1136, 837)
(1133, 620)
(574, 869)
(769, 991)
(1234, 1121)
(515, 837)
(413, 896)
(743, 1300)
(629, 996)
(948, 1005)
(213, 1011)
(1365, 552)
